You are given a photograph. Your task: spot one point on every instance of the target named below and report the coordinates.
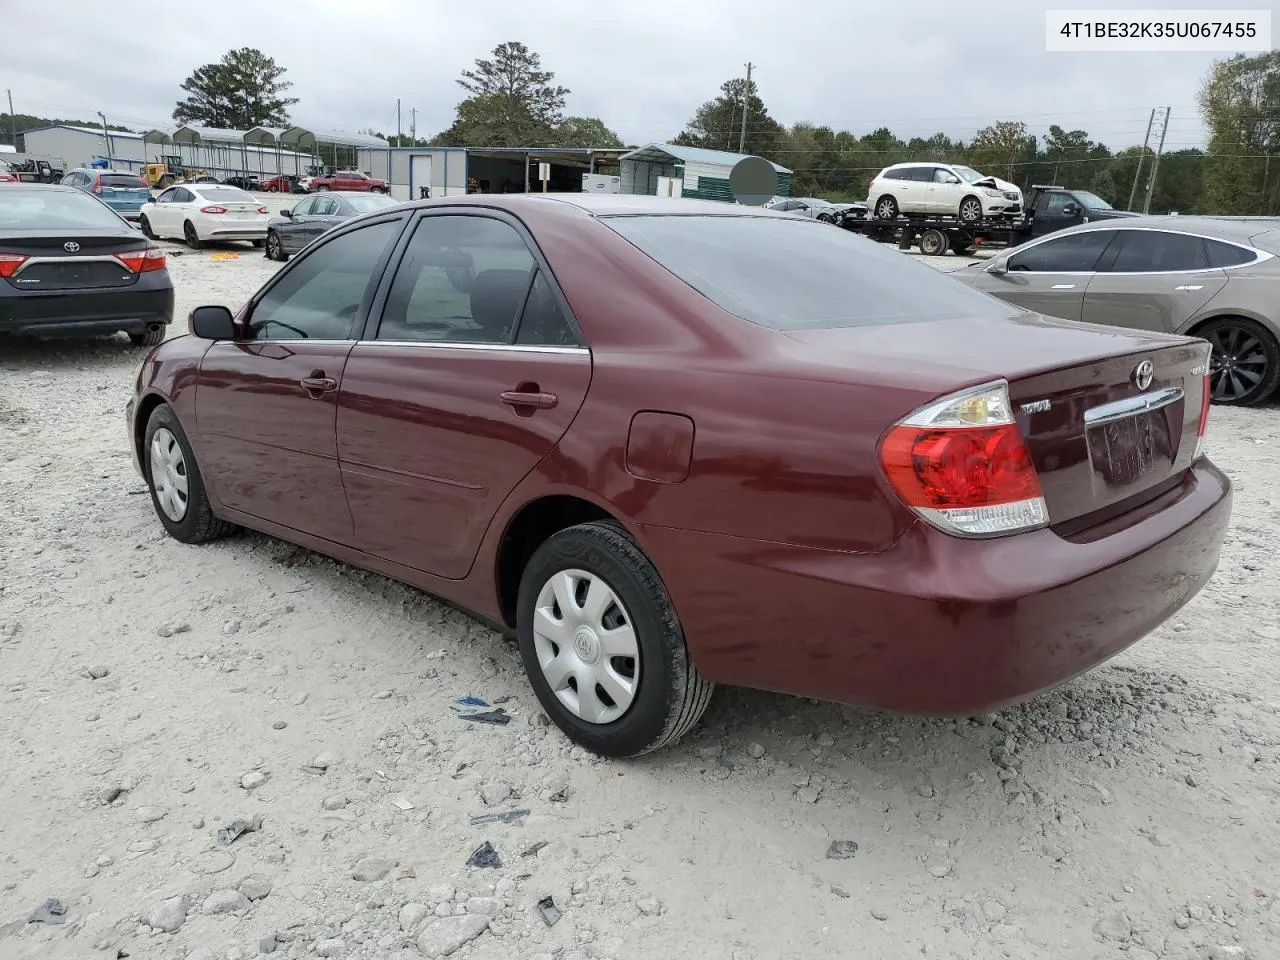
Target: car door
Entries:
(293, 232)
(943, 191)
(473, 374)
(1153, 280)
(324, 217)
(1056, 210)
(161, 212)
(1048, 276)
(265, 405)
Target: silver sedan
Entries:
(315, 214)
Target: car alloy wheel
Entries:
(190, 235)
(887, 208)
(169, 474)
(1244, 368)
(275, 250)
(970, 209)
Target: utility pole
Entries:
(413, 124)
(1155, 164)
(397, 121)
(746, 99)
(1142, 156)
(106, 137)
(13, 121)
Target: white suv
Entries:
(942, 189)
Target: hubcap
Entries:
(586, 646)
(1237, 365)
(886, 210)
(970, 211)
(273, 244)
(169, 475)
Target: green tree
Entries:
(1240, 105)
(586, 132)
(1000, 149)
(244, 89)
(513, 102)
(1065, 146)
(717, 124)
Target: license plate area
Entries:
(1124, 451)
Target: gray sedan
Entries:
(1216, 279)
(294, 229)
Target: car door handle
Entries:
(318, 384)
(529, 398)
(1189, 287)
(1064, 286)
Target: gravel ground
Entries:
(152, 694)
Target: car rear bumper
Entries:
(939, 625)
(86, 312)
(246, 231)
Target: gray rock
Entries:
(412, 915)
(224, 901)
(756, 751)
(443, 909)
(326, 759)
(649, 906)
(370, 869)
(842, 849)
(149, 814)
(1228, 951)
(879, 914)
(334, 803)
(167, 915)
(279, 725)
(267, 945)
(253, 780)
(485, 906)
(172, 629)
(495, 793)
(98, 672)
(1115, 927)
(330, 948)
(203, 953)
(110, 794)
(440, 893)
(444, 937)
(255, 887)
(941, 866)
(925, 790)
(994, 911)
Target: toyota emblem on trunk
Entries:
(1142, 374)
(71, 246)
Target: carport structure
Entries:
(303, 140)
(515, 169)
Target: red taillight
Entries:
(962, 465)
(97, 184)
(213, 209)
(10, 262)
(143, 261)
(1206, 396)
(263, 210)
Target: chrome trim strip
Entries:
(107, 259)
(514, 347)
(1131, 406)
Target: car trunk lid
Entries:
(58, 260)
(1102, 437)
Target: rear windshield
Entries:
(226, 195)
(123, 181)
(790, 273)
(368, 202)
(53, 210)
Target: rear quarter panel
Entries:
(1252, 292)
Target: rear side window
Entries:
(226, 195)
(1157, 251)
(791, 273)
(123, 181)
(543, 322)
(53, 209)
(1074, 253)
(1228, 254)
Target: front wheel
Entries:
(970, 209)
(322, 189)
(602, 645)
(190, 235)
(258, 244)
(275, 249)
(150, 337)
(1244, 368)
(177, 488)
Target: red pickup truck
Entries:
(349, 180)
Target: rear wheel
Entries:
(177, 488)
(886, 208)
(273, 189)
(602, 645)
(148, 338)
(145, 226)
(1244, 369)
(933, 243)
(192, 238)
(970, 209)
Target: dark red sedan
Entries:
(676, 443)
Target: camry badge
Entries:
(1037, 406)
(1143, 374)
(71, 246)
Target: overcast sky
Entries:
(917, 67)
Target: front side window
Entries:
(305, 207)
(1056, 204)
(1156, 251)
(462, 280)
(1075, 253)
(320, 298)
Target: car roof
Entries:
(600, 204)
(43, 187)
(1239, 231)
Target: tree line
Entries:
(512, 100)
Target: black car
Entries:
(294, 229)
(69, 265)
(244, 183)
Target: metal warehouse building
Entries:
(667, 169)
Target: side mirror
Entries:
(1070, 210)
(998, 268)
(212, 323)
(953, 179)
(287, 213)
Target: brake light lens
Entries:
(143, 261)
(1206, 395)
(263, 210)
(9, 264)
(961, 464)
(97, 184)
(214, 210)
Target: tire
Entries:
(145, 226)
(886, 209)
(933, 243)
(166, 181)
(273, 189)
(149, 338)
(322, 189)
(826, 218)
(970, 209)
(275, 248)
(1242, 349)
(378, 190)
(190, 235)
(195, 522)
(668, 697)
